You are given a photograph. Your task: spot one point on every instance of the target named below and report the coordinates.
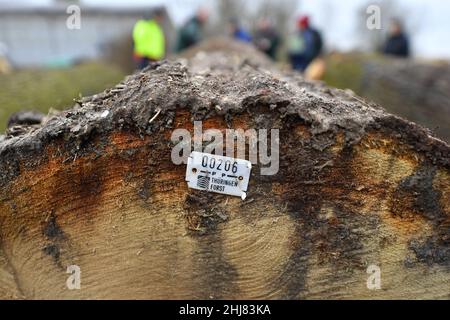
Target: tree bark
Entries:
(94, 186)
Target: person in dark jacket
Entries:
(191, 33)
(397, 43)
(266, 38)
(309, 47)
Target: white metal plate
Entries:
(218, 174)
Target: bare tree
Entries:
(225, 10)
(280, 13)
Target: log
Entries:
(416, 90)
(95, 187)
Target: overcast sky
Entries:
(336, 18)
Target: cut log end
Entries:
(355, 187)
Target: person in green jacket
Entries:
(191, 33)
(149, 40)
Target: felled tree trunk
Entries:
(95, 187)
(418, 91)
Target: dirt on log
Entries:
(95, 187)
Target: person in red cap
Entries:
(305, 46)
(303, 22)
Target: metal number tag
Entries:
(218, 174)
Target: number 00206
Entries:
(211, 163)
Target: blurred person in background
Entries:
(238, 32)
(266, 38)
(149, 40)
(191, 33)
(397, 43)
(4, 64)
(308, 45)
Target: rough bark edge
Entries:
(164, 87)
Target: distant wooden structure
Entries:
(37, 36)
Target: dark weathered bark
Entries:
(356, 186)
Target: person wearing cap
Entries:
(309, 45)
(149, 39)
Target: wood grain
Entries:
(116, 206)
